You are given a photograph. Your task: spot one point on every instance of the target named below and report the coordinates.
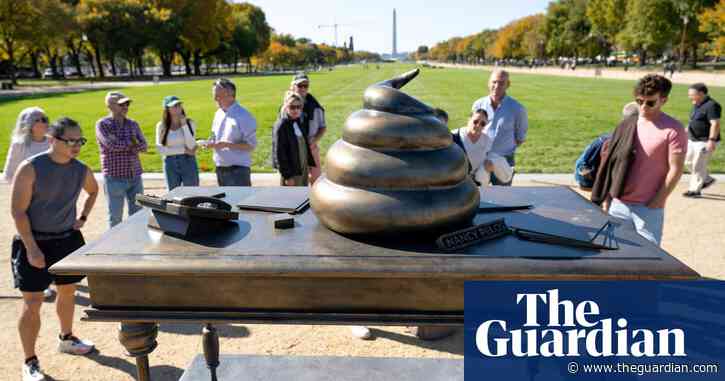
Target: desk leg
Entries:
(139, 339)
(210, 341)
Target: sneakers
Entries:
(692, 194)
(32, 372)
(708, 182)
(75, 346)
(361, 332)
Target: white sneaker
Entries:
(361, 332)
(32, 372)
(75, 346)
(48, 293)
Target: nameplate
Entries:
(473, 235)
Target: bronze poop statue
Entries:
(395, 170)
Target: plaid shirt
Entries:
(119, 156)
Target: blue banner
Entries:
(614, 330)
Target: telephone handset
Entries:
(202, 202)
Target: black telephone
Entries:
(188, 216)
(208, 202)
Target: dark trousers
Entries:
(512, 162)
(234, 176)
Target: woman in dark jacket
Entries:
(290, 145)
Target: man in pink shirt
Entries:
(660, 146)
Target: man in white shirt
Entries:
(234, 137)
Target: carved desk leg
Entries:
(139, 339)
(210, 342)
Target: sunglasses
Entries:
(650, 103)
(303, 85)
(295, 107)
(74, 142)
(42, 119)
(481, 122)
(125, 104)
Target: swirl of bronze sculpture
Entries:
(395, 170)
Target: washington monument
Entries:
(395, 34)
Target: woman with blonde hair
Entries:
(175, 142)
(28, 139)
(291, 152)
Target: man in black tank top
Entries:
(44, 196)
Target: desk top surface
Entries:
(251, 246)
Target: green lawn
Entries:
(565, 114)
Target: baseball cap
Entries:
(116, 97)
(171, 101)
(299, 78)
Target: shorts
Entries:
(32, 279)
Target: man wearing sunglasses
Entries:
(643, 162)
(120, 141)
(234, 137)
(704, 136)
(44, 198)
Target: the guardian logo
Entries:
(560, 338)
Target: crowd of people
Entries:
(631, 172)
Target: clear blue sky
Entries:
(421, 22)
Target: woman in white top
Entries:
(28, 139)
(476, 143)
(175, 142)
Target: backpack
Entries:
(587, 165)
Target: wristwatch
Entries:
(83, 218)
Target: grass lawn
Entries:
(565, 114)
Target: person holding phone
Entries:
(175, 142)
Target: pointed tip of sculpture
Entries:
(400, 80)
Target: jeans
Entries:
(512, 162)
(647, 221)
(116, 190)
(181, 170)
(235, 175)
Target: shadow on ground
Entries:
(161, 372)
(452, 344)
(223, 330)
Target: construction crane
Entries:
(334, 26)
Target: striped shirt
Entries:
(119, 155)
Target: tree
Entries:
(607, 18)
(688, 10)
(648, 27)
(712, 23)
(74, 39)
(203, 29)
(251, 33)
(568, 29)
(520, 38)
(14, 29)
(165, 19)
(91, 19)
(55, 28)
